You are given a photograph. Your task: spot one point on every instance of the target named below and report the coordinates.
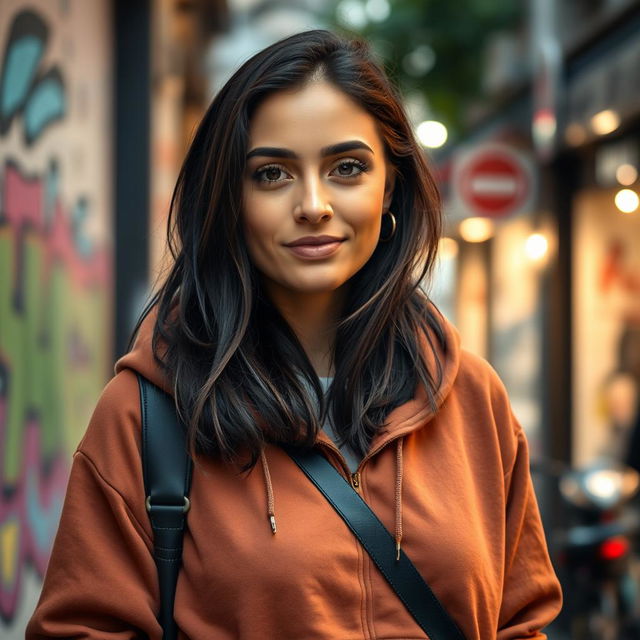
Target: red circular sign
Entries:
(494, 183)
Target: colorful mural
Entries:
(55, 297)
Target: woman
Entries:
(303, 219)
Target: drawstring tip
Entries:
(272, 520)
(397, 551)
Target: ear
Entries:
(389, 184)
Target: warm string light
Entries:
(627, 200)
(605, 122)
(432, 134)
(447, 248)
(536, 247)
(626, 174)
(575, 134)
(476, 229)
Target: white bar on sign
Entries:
(498, 185)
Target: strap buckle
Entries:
(185, 507)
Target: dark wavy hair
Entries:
(237, 368)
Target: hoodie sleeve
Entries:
(101, 580)
(532, 596)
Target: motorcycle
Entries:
(594, 554)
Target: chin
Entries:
(318, 285)
(319, 288)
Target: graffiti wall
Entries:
(55, 269)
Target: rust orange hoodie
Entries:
(453, 487)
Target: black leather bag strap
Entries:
(167, 470)
(401, 574)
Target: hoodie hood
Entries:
(140, 359)
(403, 419)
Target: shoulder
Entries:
(484, 400)
(112, 437)
(478, 380)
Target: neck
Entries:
(312, 316)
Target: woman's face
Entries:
(315, 167)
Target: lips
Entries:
(315, 247)
(314, 241)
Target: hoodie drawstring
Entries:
(270, 501)
(398, 496)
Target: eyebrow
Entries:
(332, 149)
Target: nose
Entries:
(314, 206)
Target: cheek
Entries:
(260, 222)
(365, 217)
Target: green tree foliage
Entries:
(446, 39)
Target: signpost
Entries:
(493, 181)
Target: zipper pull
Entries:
(355, 480)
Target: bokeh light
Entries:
(627, 200)
(626, 174)
(352, 14)
(575, 134)
(377, 10)
(605, 122)
(536, 247)
(476, 229)
(432, 134)
(447, 248)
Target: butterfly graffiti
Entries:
(36, 95)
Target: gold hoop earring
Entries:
(393, 228)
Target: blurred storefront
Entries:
(546, 257)
(602, 144)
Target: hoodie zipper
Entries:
(336, 453)
(354, 479)
(363, 557)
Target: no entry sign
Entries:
(493, 180)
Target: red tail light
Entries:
(614, 548)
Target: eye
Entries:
(268, 173)
(348, 165)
